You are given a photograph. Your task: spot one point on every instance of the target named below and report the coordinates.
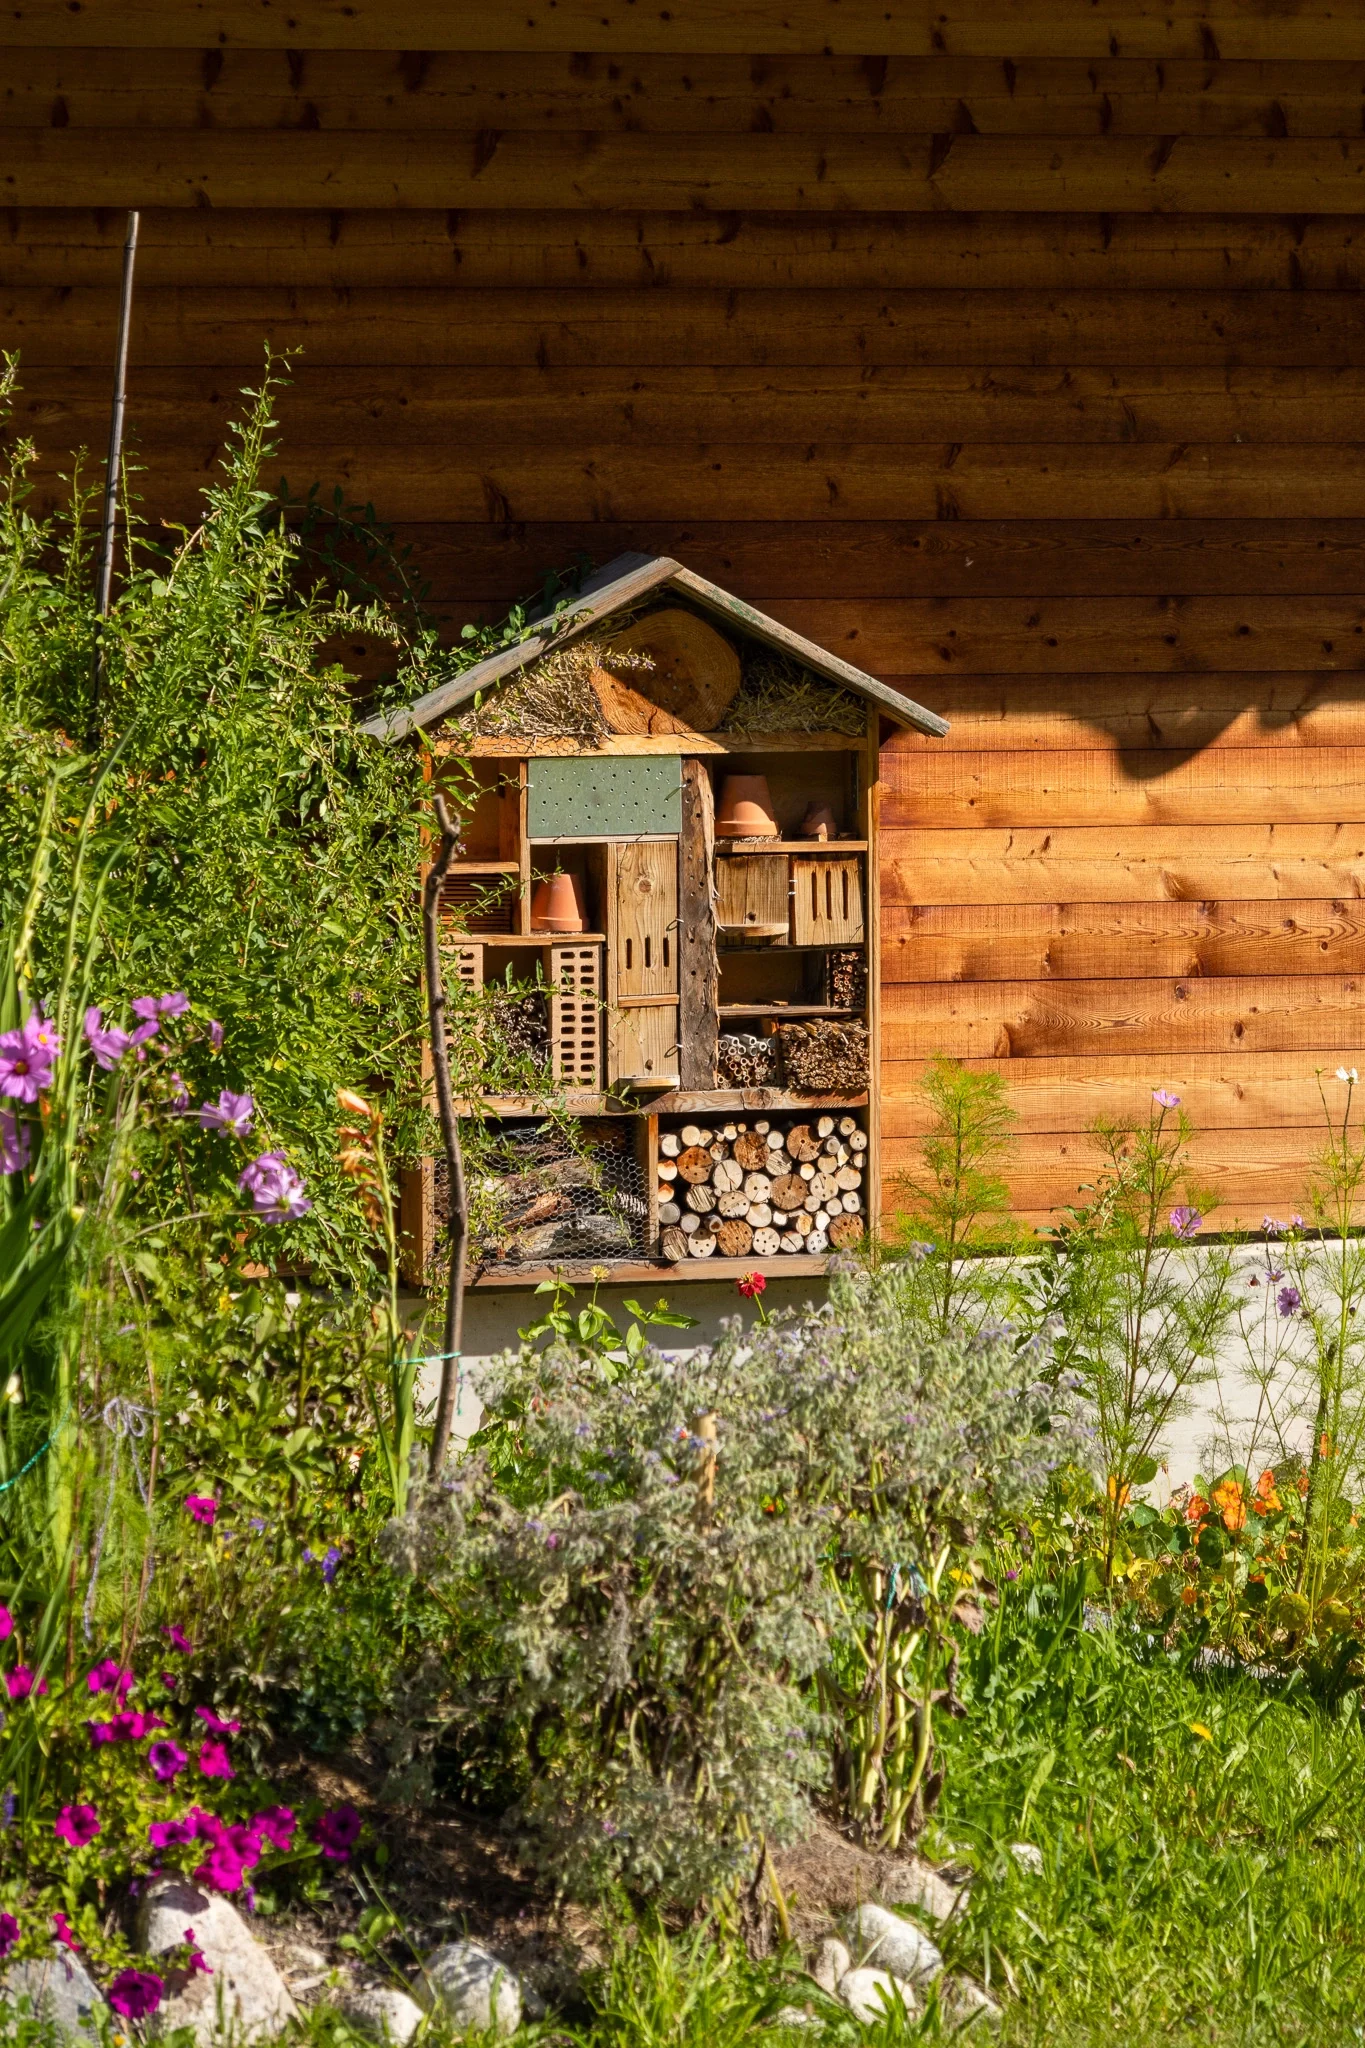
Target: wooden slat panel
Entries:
(1230, 786)
(1236, 1091)
(767, 561)
(1079, 941)
(480, 90)
(1186, 29)
(885, 252)
(828, 174)
(1064, 635)
(1139, 864)
(1028, 1020)
(1081, 713)
(569, 328)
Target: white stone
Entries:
(471, 1987)
(382, 2011)
(60, 1991)
(871, 1994)
(246, 1996)
(888, 1942)
(795, 2016)
(832, 1961)
(917, 1883)
(1028, 1857)
(961, 2001)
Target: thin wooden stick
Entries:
(450, 1133)
(104, 586)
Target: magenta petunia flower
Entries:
(221, 1868)
(276, 1825)
(136, 1993)
(1164, 1099)
(21, 1683)
(100, 1732)
(177, 1638)
(215, 1723)
(108, 1042)
(336, 1832)
(214, 1761)
(112, 1677)
(170, 1834)
(6, 1624)
(26, 1056)
(1185, 1222)
(61, 1928)
(203, 1508)
(231, 1113)
(9, 1934)
(275, 1188)
(77, 1825)
(16, 1144)
(167, 1759)
(198, 1961)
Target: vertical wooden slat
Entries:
(870, 797)
(699, 965)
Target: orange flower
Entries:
(1188, 1595)
(1302, 1483)
(1228, 1499)
(1267, 1501)
(1324, 1445)
(1197, 1510)
(1114, 1491)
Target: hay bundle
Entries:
(825, 1057)
(777, 695)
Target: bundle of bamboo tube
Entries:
(736, 1190)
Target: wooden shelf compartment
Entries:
(675, 1102)
(776, 846)
(780, 1012)
(484, 867)
(497, 940)
(629, 1272)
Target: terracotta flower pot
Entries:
(557, 905)
(745, 810)
(819, 823)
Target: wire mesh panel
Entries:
(546, 1191)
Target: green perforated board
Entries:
(615, 797)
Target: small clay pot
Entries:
(745, 810)
(557, 905)
(819, 823)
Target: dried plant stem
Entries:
(450, 1132)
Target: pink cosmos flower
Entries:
(1164, 1099)
(1287, 1300)
(277, 1825)
(77, 1825)
(214, 1761)
(231, 1113)
(275, 1189)
(178, 1639)
(336, 1832)
(170, 1834)
(26, 1057)
(1186, 1223)
(136, 1993)
(166, 1760)
(215, 1723)
(108, 1042)
(9, 1934)
(111, 1676)
(16, 1144)
(203, 1508)
(61, 1928)
(6, 1624)
(21, 1683)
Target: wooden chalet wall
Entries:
(1011, 348)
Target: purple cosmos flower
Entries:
(215, 1034)
(26, 1057)
(9, 1934)
(277, 1825)
(16, 1145)
(1164, 1099)
(1186, 1222)
(203, 1508)
(336, 1832)
(167, 1759)
(275, 1189)
(61, 1928)
(177, 1638)
(152, 1008)
(214, 1722)
(231, 1113)
(21, 1683)
(330, 1562)
(1287, 1300)
(1272, 1226)
(214, 1761)
(170, 1834)
(180, 1094)
(77, 1825)
(136, 1993)
(108, 1042)
(110, 1676)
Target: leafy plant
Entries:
(957, 1230)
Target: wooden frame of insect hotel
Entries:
(668, 879)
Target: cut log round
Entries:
(824, 1185)
(701, 1246)
(824, 1127)
(802, 1223)
(693, 672)
(734, 1240)
(730, 1133)
(816, 1242)
(812, 1203)
(668, 1169)
(700, 1198)
(718, 1149)
(857, 1141)
(761, 1126)
(669, 1212)
(802, 1142)
(695, 1164)
(847, 1127)
(690, 1134)
(758, 1187)
(627, 711)
(849, 1177)
(845, 1231)
(670, 1144)
(789, 1192)
(766, 1243)
(853, 1202)
(734, 1202)
(780, 1219)
(673, 1245)
(729, 1174)
(689, 1221)
(792, 1241)
(751, 1151)
(759, 1214)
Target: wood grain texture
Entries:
(1167, 715)
(1132, 941)
(1137, 864)
(567, 329)
(482, 246)
(1228, 786)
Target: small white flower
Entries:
(1348, 1074)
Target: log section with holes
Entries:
(771, 1188)
(1009, 350)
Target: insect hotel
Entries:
(667, 884)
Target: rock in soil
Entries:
(472, 1988)
(887, 1942)
(871, 1994)
(382, 2011)
(59, 1991)
(1029, 1858)
(832, 1961)
(916, 1883)
(246, 1995)
(961, 2001)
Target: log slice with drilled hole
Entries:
(766, 1242)
(734, 1239)
(789, 1192)
(695, 1164)
(751, 1151)
(802, 1142)
(845, 1231)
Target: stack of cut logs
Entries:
(735, 1190)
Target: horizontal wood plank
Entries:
(1084, 941)
(481, 246)
(1227, 786)
(1136, 864)
(1033, 1020)
(569, 329)
(1078, 714)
